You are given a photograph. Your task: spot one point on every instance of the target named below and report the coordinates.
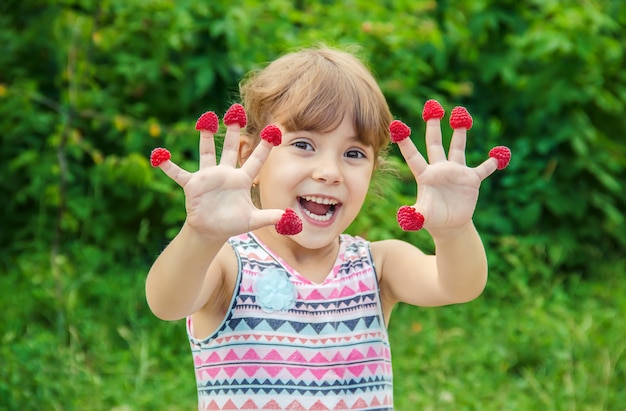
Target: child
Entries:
(298, 320)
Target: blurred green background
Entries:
(88, 88)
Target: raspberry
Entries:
(158, 156)
(236, 114)
(460, 118)
(502, 154)
(208, 121)
(289, 224)
(272, 134)
(409, 219)
(399, 131)
(432, 109)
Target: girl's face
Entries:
(324, 177)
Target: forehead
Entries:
(315, 91)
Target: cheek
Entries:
(361, 184)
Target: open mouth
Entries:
(318, 208)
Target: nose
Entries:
(328, 171)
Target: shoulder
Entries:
(393, 258)
(385, 249)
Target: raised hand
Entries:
(447, 188)
(217, 196)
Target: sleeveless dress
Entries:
(287, 343)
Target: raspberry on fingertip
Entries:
(272, 134)
(502, 154)
(432, 110)
(460, 118)
(289, 224)
(208, 121)
(398, 131)
(409, 219)
(158, 156)
(236, 114)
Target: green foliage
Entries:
(121, 77)
(87, 89)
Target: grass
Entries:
(550, 348)
(518, 347)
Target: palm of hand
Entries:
(447, 195)
(217, 201)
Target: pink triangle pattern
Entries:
(327, 351)
(375, 402)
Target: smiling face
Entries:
(334, 119)
(323, 176)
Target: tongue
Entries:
(315, 208)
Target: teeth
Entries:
(317, 217)
(320, 200)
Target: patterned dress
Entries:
(290, 344)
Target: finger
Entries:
(235, 119)
(412, 156)
(230, 149)
(499, 158)
(173, 171)
(487, 168)
(255, 161)
(264, 218)
(207, 149)
(207, 124)
(457, 146)
(434, 145)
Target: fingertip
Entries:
(272, 134)
(398, 131)
(409, 219)
(433, 110)
(236, 114)
(503, 156)
(289, 223)
(208, 121)
(461, 118)
(158, 156)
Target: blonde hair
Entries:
(313, 90)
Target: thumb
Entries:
(264, 218)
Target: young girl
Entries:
(299, 321)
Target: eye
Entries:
(354, 153)
(303, 145)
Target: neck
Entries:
(314, 264)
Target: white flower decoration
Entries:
(274, 291)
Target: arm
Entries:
(447, 196)
(192, 268)
(456, 273)
(179, 282)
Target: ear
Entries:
(246, 146)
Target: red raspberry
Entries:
(208, 121)
(289, 224)
(272, 134)
(432, 109)
(399, 131)
(158, 156)
(409, 219)
(502, 154)
(460, 118)
(236, 114)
